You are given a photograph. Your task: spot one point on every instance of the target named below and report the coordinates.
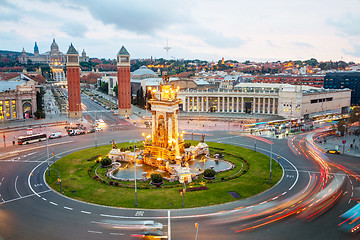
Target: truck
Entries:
(73, 132)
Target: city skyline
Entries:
(261, 31)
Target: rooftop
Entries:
(10, 84)
(143, 70)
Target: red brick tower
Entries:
(73, 79)
(124, 86)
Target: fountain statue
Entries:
(166, 151)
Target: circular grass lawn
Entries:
(82, 178)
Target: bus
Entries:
(350, 220)
(32, 138)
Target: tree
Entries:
(40, 99)
(115, 89)
(140, 98)
(354, 115)
(341, 126)
(104, 87)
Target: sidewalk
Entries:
(351, 147)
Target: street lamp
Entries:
(271, 143)
(3, 119)
(135, 141)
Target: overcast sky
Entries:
(259, 30)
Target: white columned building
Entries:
(289, 101)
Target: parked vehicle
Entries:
(92, 130)
(73, 132)
(55, 135)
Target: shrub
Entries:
(187, 145)
(156, 178)
(111, 183)
(116, 184)
(209, 173)
(105, 162)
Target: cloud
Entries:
(74, 29)
(303, 44)
(348, 24)
(141, 17)
(219, 40)
(271, 44)
(355, 52)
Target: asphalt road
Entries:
(30, 210)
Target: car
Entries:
(92, 130)
(98, 129)
(333, 151)
(55, 135)
(150, 235)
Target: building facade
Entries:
(309, 80)
(54, 58)
(285, 100)
(124, 85)
(73, 78)
(341, 80)
(17, 99)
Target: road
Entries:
(30, 210)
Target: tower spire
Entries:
(167, 48)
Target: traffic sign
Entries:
(343, 141)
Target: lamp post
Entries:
(271, 143)
(197, 230)
(59, 178)
(255, 145)
(3, 119)
(134, 141)
(95, 132)
(47, 151)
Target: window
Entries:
(313, 101)
(1, 110)
(13, 102)
(7, 109)
(124, 59)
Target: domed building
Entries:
(54, 58)
(143, 72)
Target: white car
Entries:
(55, 135)
(98, 129)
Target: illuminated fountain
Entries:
(166, 152)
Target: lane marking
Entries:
(119, 234)
(283, 193)
(94, 232)
(30, 195)
(44, 199)
(169, 228)
(53, 203)
(16, 187)
(86, 212)
(68, 208)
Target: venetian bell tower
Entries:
(124, 85)
(73, 80)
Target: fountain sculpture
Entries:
(166, 151)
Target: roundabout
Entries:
(70, 196)
(83, 179)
